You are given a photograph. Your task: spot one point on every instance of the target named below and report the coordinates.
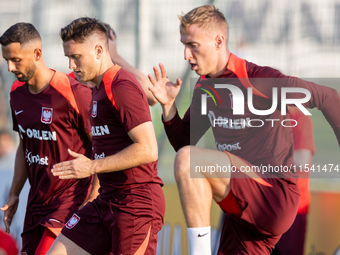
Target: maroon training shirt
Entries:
(49, 123)
(271, 144)
(119, 105)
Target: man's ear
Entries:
(219, 41)
(37, 54)
(99, 50)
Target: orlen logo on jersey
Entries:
(35, 159)
(94, 109)
(46, 115)
(73, 221)
(38, 134)
(100, 130)
(238, 100)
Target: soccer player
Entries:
(50, 113)
(260, 205)
(141, 78)
(292, 242)
(128, 213)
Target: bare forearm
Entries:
(20, 174)
(134, 155)
(142, 151)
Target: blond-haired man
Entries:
(259, 205)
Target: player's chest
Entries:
(102, 109)
(41, 112)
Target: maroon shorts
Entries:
(31, 240)
(268, 209)
(125, 223)
(292, 242)
(35, 225)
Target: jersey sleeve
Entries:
(178, 130)
(324, 98)
(131, 104)
(190, 129)
(82, 96)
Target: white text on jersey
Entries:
(228, 147)
(100, 130)
(38, 134)
(97, 156)
(35, 159)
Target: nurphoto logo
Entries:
(238, 101)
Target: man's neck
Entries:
(103, 68)
(40, 80)
(222, 65)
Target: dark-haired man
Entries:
(260, 205)
(128, 213)
(50, 113)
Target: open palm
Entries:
(162, 88)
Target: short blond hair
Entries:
(206, 16)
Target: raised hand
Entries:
(162, 88)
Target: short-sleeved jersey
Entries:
(303, 139)
(119, 105)
(49, 123)
(272, 143)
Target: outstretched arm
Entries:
(144, 150)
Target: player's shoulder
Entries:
(78, 86)
(125, 75)
(66, 81)
(81, 92)
(125, 80)
(16, 85)
(258, 71)
(72, 90)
